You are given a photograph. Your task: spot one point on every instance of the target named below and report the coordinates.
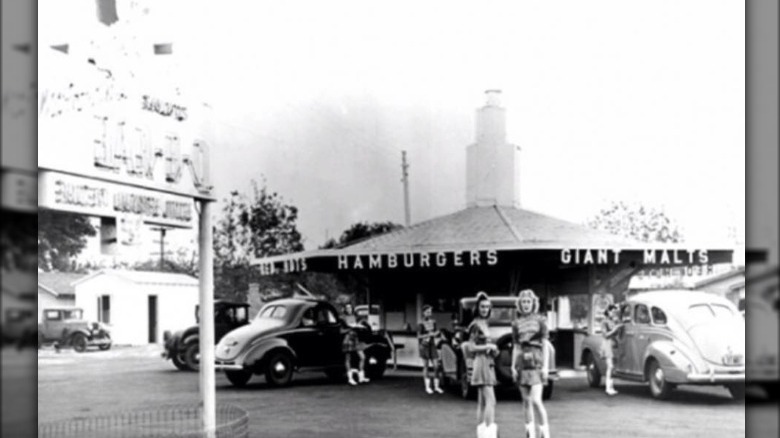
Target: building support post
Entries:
(206, 272)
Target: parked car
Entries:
(183, 347)
(296, 334)
(675, 337)
(457, 368)
(65, 326)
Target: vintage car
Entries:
(65, 326)
(457, 367)
(674, 337)
(296, 334)
(183, 347)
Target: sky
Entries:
(641, 101)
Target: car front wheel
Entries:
(279, 369)
(192, 356)
(238, 378)
(659, 387)
(376, 365)
(79, 343)
(592, 369)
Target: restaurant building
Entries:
(492, 245)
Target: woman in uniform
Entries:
(530, 367)
(427, 335)
(352, 348)
(610, 327)
(483, 375)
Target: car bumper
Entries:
(100, 341)
(228, 366)
(715, 378)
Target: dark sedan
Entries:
(292, 335)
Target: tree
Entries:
(638, 222)
(61, 236)
(361, 231)
(258, 227)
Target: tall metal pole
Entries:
(207, 378)
(405, 179)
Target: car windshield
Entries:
(71, 314)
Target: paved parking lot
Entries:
(72, 385)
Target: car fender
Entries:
(673, 359)
(257, 352)
(591, 346)
(69, 333)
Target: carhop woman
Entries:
(483, 376)
(352, 348)
(610, 329)
(427, 336)
(530, 367)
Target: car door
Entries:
(304, 339)
(624, 339)
(329, 336)
(636, 340)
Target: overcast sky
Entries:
(608, 99)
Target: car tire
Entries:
(79, 342)
(279, 369)
(105, 347)
(547, 391)
(178, 362)
(467, 392)
(659, 387)
(737, 391)
(377, 370)
(191, 356)
(592, 371)
(238, 378)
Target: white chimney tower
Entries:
(492, 164)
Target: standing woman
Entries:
(530, 367)
(610, 327)
(427, 334)
(483, 375)
(352, 347)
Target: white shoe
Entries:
(436, 386)
(530, 430)
(428, 386)
(611, 391)
(350, 379)
(544, 431)
(362, 377)
(481, 430)
(491, 431)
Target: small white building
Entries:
(138, 306)
(55, 289)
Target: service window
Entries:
(642, 314)
(659, 317)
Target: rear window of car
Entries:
(659, 317)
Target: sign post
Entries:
(207, 378)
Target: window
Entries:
(307, 320)
(659, 317)
(642, 315)
(625, 313)
(275, 312)
(325, 316)
(52, 315)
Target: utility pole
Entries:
(162, 245)
(405, 180)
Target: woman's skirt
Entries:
(529, 366)
(428, 351)
(350, 344)
(484, 372)
(607, 349)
